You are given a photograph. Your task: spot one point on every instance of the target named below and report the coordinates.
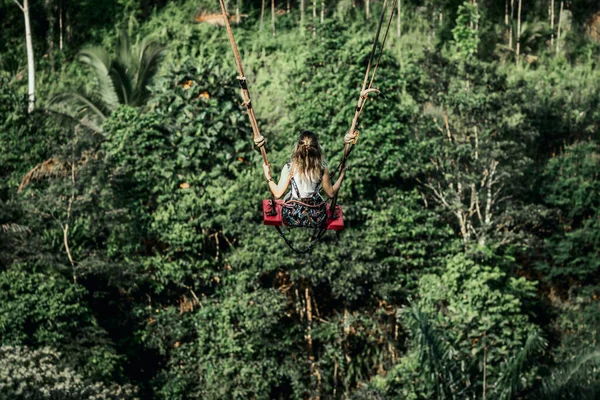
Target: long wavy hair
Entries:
(307, 157)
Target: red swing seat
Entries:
(276, 219)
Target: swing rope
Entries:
(259, 139)
(350, 139)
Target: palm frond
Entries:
(13, 228)
(49, 168)
(85, 121)
(122, 81)
(434, 353)
(579, 379)
(508, 383)
(98, 59)
(151, 52)
(79, 102)
(124, 50)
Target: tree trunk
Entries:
(49, 6)
(399, 18)
(484, 365)
(60, 27)
(322, 11)
(506, 18)
(237, 12)
(273, 16)
(309, 342)
(367, 4)
(302, 16)
(314, 17)
(510, 33)
(288, 7)
(552, 22)
(30, 60)
(262, 16)
(518, 31)
(559, 27)
(68, 27)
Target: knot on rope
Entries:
(259, 141)
(351, 137)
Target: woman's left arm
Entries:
(329, 189)
(278, 189)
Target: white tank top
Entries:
(306, 187)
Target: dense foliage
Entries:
(133, 259)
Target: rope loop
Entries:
(365, 93)
(259, 141)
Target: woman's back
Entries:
(305, 174)
(302, 186)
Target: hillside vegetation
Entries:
(133, 258)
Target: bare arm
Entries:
(330, 190)
(278, 189)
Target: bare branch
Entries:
(472, 205)
(476, 143)
(477, 207)
(66, 226)
(447, 125)
(438, 195)
(14, 228)
(19, 4)
(490, 182)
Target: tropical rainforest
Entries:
(134, 263)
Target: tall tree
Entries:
(510, 31)
(302, 15)
(30, 56)
(399, 27)
(518, 31)
(551, 22)
(560, 15)
(322, 11)
(262, 15)
(273, 16)
(60, 25)
(479, 153)
(50, 7)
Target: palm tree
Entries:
(532, 34)
(578, 379)
(448, 379)
(120, 79)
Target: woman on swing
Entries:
(307, 173)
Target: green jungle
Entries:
(134, 263)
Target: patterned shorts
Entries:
(311, 214)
